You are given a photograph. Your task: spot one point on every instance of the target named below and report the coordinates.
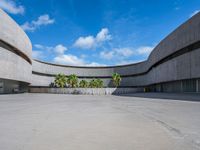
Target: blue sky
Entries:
(97, 32)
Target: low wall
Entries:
(86, 91)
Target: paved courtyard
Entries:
(76, 122)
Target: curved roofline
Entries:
(25, 34)
(92, 67)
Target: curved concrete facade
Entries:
(15, 56)
(173, 65)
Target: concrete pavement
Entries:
(77, 122)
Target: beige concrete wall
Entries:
(11, 33)
(15, 50)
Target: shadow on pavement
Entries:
(170, 96)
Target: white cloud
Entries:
(85, 42)
(144, 50)
(117, 53)
(60, 57)
(107, 54)
(194, 13)
(69, 60)
(11, 7)
(93, 64)
(103, 35)
(37, 54)
(28, 27)
(90, 42)
(60, 49)
(124, 52)
(122, 55)
(42, 20)
(39, 46)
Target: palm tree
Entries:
(116, 78)
(92, 83)
(60, 80)
(99, 83)
(83, 84)
(96, 83)
(72, 80)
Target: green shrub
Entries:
(83, 84)
(99, 83)
(96, 83)
(116, 79)
(60, 80)
(72, 80)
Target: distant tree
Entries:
(83, 84)
(60, 80)
(93, 83)
(116, 78)
(99, 83)
(72, 80)
(96, 83)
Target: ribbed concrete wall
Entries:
(15, 53)
(14, 67)
(12, 33)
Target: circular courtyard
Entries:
(72, 122)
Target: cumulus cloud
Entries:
(60, 49)
(103, 35)
(94, 64)
(123, 55)
(60, 57)
(107, 54)
(144, 50)
(37, 54)
(41, 21)
(90, 42)
(194, 13)
(117, 53)
(72, 60)
(85, 42)
(124, 52)
(11, 7)
(69, 60)
(39, 46)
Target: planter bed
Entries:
(85, 91)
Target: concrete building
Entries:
(173, 65)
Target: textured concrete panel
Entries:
(195, 64)
(11, 33)
(14, 67)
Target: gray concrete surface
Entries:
(77, 122)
